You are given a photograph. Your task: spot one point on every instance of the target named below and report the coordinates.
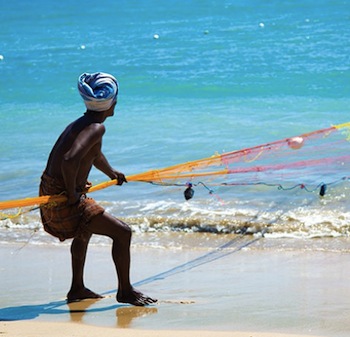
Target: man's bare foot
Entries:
(134, 297)
(81, 294)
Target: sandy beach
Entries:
(30, 329)
(254, 290)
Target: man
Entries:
(70, 161)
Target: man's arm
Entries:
(102, 164)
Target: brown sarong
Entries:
(65, 221)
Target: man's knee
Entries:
(79, 245)
(84, 236)
(126, 229)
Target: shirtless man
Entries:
(70, 161)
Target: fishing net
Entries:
(311, 161)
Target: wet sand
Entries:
(238, 291)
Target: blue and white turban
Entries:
(98, 90)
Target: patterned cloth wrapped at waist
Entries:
(62, 220)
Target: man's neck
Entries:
(95, 116)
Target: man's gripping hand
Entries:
(120, 177)
(73, 198)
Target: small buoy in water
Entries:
(261, 25)
(295, 143)
(323, 190)
(189, 192)
(156, 36)
(1, 57)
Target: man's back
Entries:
(82, 139)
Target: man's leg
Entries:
(78, 291)
(120, 233)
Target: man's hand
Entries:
(73, 198)
(120, 177)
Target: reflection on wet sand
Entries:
(126, 315)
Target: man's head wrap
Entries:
(98, 90)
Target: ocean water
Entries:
(196, 78)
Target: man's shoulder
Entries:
(97, 128)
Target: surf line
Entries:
(216, 254)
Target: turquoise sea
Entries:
(196, 78)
